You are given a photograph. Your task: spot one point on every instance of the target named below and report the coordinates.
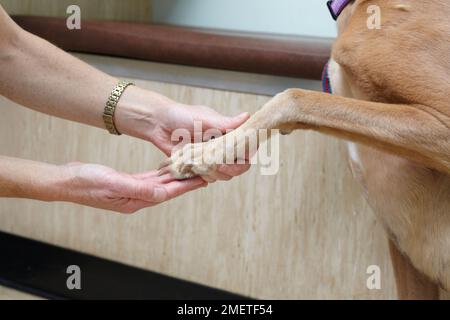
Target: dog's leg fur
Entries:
(411, 284)
(406, 130)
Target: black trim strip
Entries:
(40, 269)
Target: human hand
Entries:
(213, 124)
(181, 116)
(104, 188)
(155, 118)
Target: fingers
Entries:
(233, 170)
(164, 192)
(148, 189)
(146, 175)
(156, 175)
(226, 172)
(223, 173)
(223, 123)
(166, 178)
(159, 189)
(235, 122)
(163, 171)
(214, 176)
(177, 188)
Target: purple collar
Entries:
(337, 6)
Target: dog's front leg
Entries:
(411, 131)
(407, 130)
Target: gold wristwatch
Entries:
(111, 104)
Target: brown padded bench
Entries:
(301, 57)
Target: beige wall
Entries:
(304, 233)
(127, 10)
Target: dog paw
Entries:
(195, 159)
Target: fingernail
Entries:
(243, 115)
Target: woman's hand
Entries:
(152, 117)
(104, 188)
(198, 121)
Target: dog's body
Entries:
(392, 100)
(406, 65)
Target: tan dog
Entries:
(392, 101)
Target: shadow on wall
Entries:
(293, 17)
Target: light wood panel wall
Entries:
(304, 233)
(130, 10)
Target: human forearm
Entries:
(90, 185)
(40, 76)
(32, 180)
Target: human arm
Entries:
(91, 185)
(40, 76)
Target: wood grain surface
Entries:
(305, 232)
